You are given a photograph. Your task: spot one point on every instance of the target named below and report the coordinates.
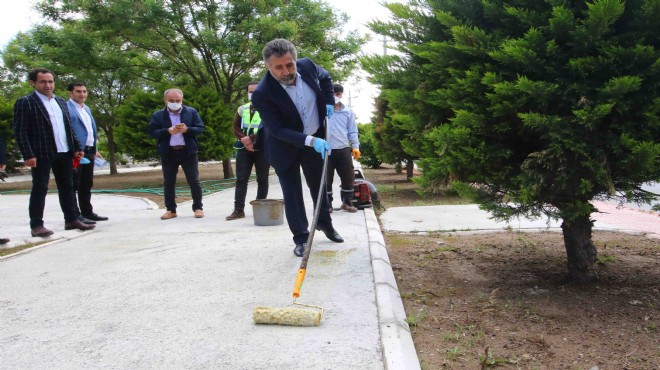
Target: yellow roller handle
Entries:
(299, 281)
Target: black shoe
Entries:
(331, 233)
(86, 220)
(95, 217)
(299, 250)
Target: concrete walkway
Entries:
(469, 218)
(138, 292)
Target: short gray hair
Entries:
(279, 47)
(174, 89)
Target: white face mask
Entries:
(250, 96)
(337, 100)
(173, 106)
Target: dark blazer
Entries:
(33, 129)
(160, 123)
(3, 151)
(281, 136)
(78, 125)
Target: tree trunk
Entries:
(226, 169)
(410, 167)
(398, 167)
(580, 249)
(112, 155)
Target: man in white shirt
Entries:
(84, 127)
(43, 134)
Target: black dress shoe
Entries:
(95, 217)
(331, 233)
(299, 250)
(77, 225)
(86, 220)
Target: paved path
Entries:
(139, 292)
(470, 218)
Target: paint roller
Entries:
(305, 314)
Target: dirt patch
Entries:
(501, 299)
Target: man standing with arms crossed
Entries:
(42, 128)
(246, 125)
(84, 127)
(293, 99)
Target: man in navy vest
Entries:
(293, 99)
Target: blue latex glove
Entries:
(329, 109)
(84, 160)
(321, 146)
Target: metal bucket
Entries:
(268, 212)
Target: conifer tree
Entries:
(535, 107)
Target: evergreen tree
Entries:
(217, 44)
(536, 107)
(74, 52)
(368, 156)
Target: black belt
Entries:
(89, 147)
(177, 147)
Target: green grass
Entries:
(18, 248)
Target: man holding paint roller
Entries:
(293, 99)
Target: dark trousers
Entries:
(294, 205)
(83, 181)
(62, 167)
(245, 159)
(189, 163)
(341, 160)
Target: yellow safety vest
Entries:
(249, 126)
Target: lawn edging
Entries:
(398, 347)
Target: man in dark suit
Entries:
(84, 127)
(176, 127)
(293, 99)
(43, 133)
(3, 165)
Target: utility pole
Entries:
(384, 40)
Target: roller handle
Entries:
(300, 277)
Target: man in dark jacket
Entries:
(3, 165)
(293, 99)
(42, 128)
(176, 127)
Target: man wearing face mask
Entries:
(246, 125)
(343, 141)
(293, 99)
(176, 128)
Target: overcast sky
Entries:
(17, 15)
